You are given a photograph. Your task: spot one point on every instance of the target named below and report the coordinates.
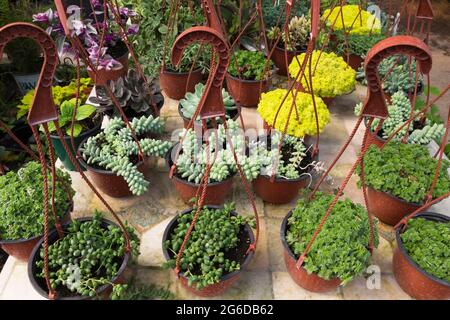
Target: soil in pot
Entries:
(283, 190)
(419, 258)
(94, 264)
(94, 126)
(247, 93)
(174, 83)
(216, 192)
(237, 254)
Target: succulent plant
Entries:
(130, 92)
(299, 28)
(191, 100)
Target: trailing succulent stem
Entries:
(115, 149)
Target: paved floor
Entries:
(266, 276)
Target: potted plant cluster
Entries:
(190, 102)
(398, 178)
(112, 160)
(105, 47)
(86, 121)
(248, 76)
(421, 259)
(399, 109)
(217, 249)
(195, 154)
(301, 126)
(22, 207)
(396, 75)
(88, 262)
(293, 167)
(362, 29)
(296, 42)
(339, 253)
(332, 76)
(135, 96)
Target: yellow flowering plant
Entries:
(354, 23)
(306, 122)
(332, 76)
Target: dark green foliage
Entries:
(405, 171)
(340, 249)
(357, 44)
(22, 201)
(88, 257)
(272, 11)
(249, 65)
(428, 244)
(215, 233)
(433, 113)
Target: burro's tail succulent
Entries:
(115, 149)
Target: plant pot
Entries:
(411, 277)
(174, 83)
(107, 181)
(246, 93)
(372, 138)
(226, 280)
(327, 100)
(354, 61)
(388, 208)
(103, 75)
(26, 82)
(39, 283)
(21, 249)
(281, 190)
(278, 58)
(216, 192)
(61, 152)
(310, 282)
(233, 114)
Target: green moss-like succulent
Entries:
(405, 171)
(340, 249)
(428, 244)
(22, 201)
(249, 65)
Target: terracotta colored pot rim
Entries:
(180, 73)
(83, 134)
(283, 231)
(295, 52)
(169, 164)
(97, 170)
(253, 81)
(227, 276)
(418, 205)
(35, 252)
(428, 216)
(18, 241)
(235, 112)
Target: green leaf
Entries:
(77, 128)
(433, 90)
(84, 111)
(163, 29)
(67, 108)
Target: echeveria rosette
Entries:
(405, 171)
(22, 201)
(332, 77)
(306, 125)
(340, 249)
(354, 23)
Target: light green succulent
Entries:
(191, 100)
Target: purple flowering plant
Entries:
(98, 37)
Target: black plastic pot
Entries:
(61, 152)
(226, 280)
(410, 276)
(39, 283)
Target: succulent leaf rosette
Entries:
(332, 76)
(306, 124)
(354, 23)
